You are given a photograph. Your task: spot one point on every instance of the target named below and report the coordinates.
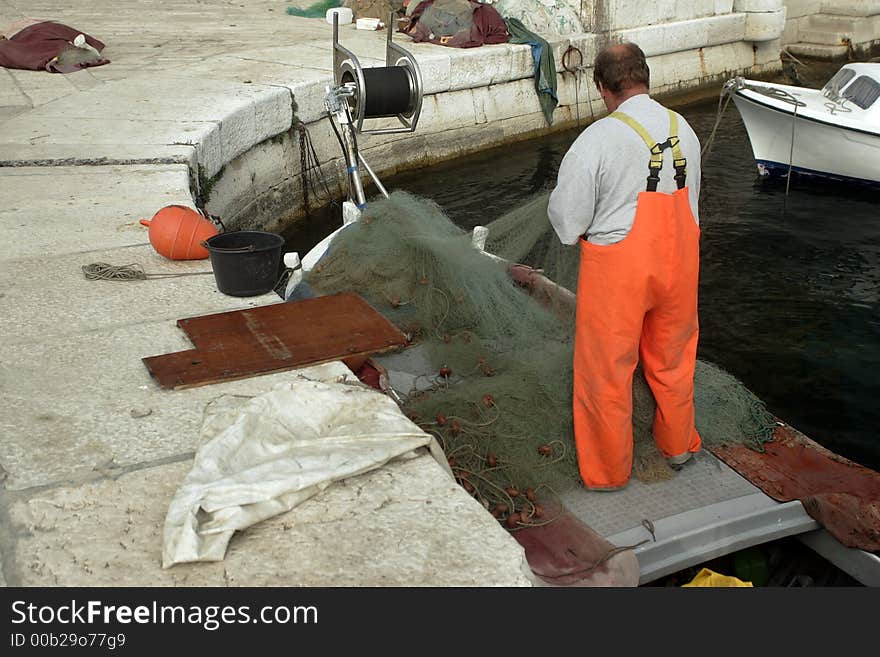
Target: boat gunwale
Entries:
(741, 93)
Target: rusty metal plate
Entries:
(284, 336)
(842, 496)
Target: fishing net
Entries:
(497, 387)
(315, 10)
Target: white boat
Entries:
(832, 132)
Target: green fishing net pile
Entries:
(497, 389)
(315, 10)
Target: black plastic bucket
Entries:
(246, 262)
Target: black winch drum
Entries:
(246, 262)
(388, 91)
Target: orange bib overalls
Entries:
(637, 300)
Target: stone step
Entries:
(851, 7)
(820, 37)
(833, 30)
(817, 51)
(831, 22)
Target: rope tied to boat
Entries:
(727, 92)
(737, 84)
(103, 271)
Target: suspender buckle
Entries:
(680, 171)
(653, 178)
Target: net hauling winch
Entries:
(357, 95)
(365, 94)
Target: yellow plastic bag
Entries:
(707, 577)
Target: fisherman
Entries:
(637, 285)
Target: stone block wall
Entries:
(601, 15)
(797, 18)
(830, 28)
(764, 20)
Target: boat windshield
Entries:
(864, 91)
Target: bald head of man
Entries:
(620, 72)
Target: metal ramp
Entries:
(706, 511)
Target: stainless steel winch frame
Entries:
(348, 94)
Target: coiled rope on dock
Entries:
(103, 271)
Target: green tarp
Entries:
(545, 66)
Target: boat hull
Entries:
(820, 149)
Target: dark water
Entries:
(789, 287)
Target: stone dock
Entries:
(203, 104)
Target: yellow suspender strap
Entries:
(656, 161)
(654, 147)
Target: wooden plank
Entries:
(284, 336)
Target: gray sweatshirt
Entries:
(606, 167)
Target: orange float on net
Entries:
(177, 232)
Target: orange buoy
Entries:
(177, 232)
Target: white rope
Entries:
(736, 84)
(791, 149)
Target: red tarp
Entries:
(487, 27)
(33, 48)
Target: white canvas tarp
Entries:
(273, 452)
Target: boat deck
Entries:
(705, 511)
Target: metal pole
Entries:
(373, 176)
(355, 187)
